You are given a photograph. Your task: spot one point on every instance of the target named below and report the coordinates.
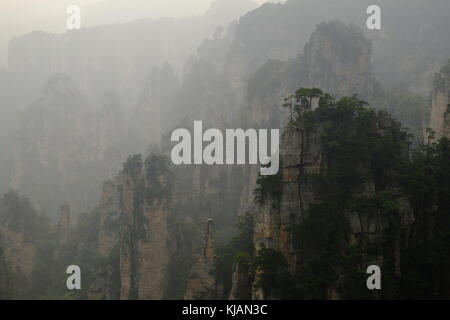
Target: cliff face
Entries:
(336, 57)
(18, 244)
(201, 283)
(20, 253)
(109, 217)
(22, 234)
(277, 215)
(440, 104)
(300, 154)
(216, 81)
(5, 286)
(311, 214)
(143, 259)
(135, 231)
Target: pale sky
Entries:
(18, 17)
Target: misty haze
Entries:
(93, 205)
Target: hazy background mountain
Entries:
(205, 63)
(114, 58)
(23, 16)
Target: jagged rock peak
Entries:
(440, 105)
(337, 58)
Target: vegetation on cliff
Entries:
(369, 176)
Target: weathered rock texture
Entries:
(277, 216)
(202, 280)
(22, 231)
(143, 260)
(337, 59)
(300, 154)
(20, 253)
(440, 107)
(135, 231)
(241, 282)
(109, 217)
